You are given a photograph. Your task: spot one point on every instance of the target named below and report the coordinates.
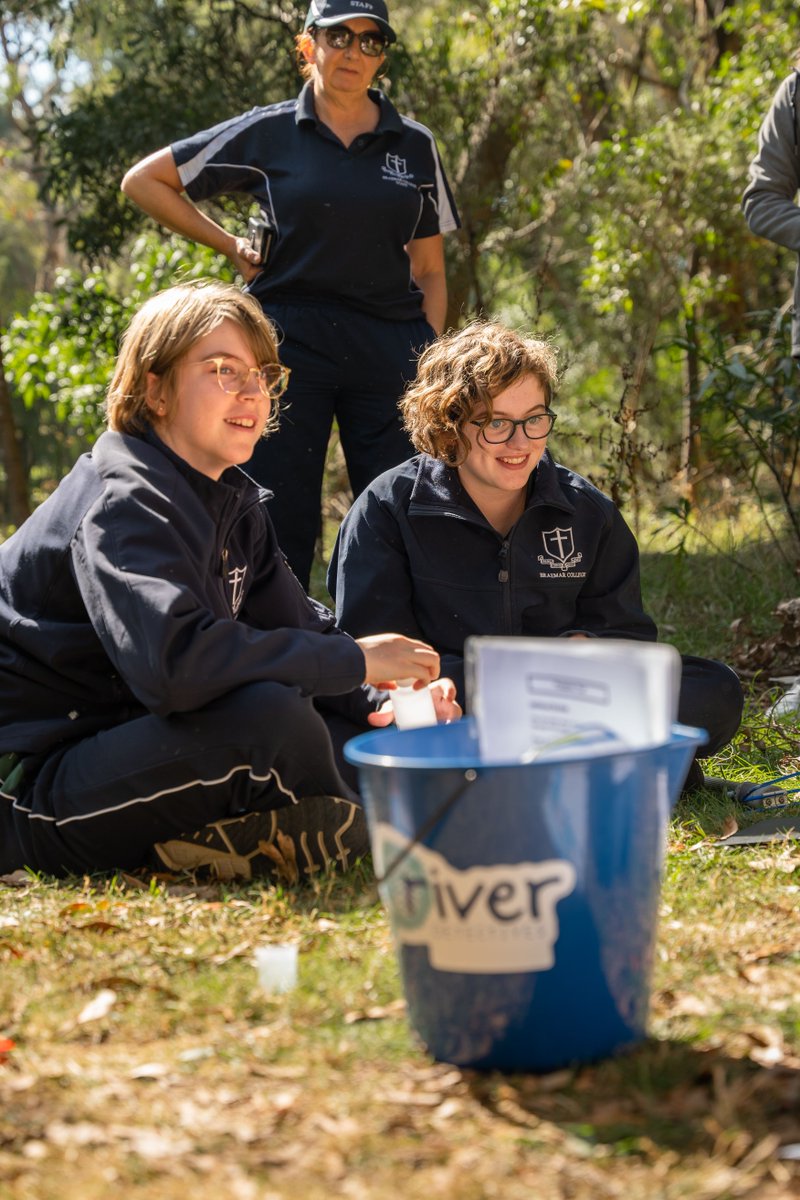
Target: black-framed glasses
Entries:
(233, 376)
(340, 37)
(501, 429)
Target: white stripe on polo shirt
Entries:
(193, 167)
(448, 224)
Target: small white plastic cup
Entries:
(412, 708)
(787, 705)
(277, 967)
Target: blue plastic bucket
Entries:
(524, 898)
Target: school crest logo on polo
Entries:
(560, 555)
(395, 170)
(396, 165)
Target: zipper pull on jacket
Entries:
(503, 556)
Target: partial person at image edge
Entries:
(769, 201)
(484, 533)
(355, 277)
(169, 695)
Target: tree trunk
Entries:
(692, 456)
(691, 443)
(17, 505)
(478, 181)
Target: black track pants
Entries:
(102, 803)
(348, 367)
(711, 698)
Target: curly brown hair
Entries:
(161, 334)
(460, 374)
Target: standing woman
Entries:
(354, 278)
(769, 200)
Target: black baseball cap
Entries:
(333, 12)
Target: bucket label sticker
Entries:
(483, 920)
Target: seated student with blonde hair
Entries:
(484, 533)
(164, 679)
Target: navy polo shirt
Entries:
(342, 216)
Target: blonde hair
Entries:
(460, 374)
(161, 334)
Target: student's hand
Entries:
(390, 656)
(245, 259)
(444, 700)
(443, 692)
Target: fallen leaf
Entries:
(21, 1083)
(763, 1150)
(729, 827)
(378, 1012)
(148, 1071)
(99, 1007)
(556, 1081)
(151, 1144)
(772, 950)
(753, 973)
(99, 926)
(422, 1099)
(17, 879)
(265, 1071)
(237, 952)
(196, 1054)
(284, 1101)
(76, 1133)
(769, 1048)
(112, 982)
(131, 881)
(687, 1005)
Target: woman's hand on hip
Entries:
(245, 259)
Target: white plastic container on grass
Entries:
(277, 967)
(787, 705)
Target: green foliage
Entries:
(597, 148)
(20, 236)
(61, 351)
(750, 399)
(59, 355)
(166, 70)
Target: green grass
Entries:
(193, 1081)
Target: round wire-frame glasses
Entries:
(272, 378)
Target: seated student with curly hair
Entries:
(165, 682)
(484, 533)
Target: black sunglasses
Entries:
(339, 37)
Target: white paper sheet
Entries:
(559, 697)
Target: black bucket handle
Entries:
(433, 820)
